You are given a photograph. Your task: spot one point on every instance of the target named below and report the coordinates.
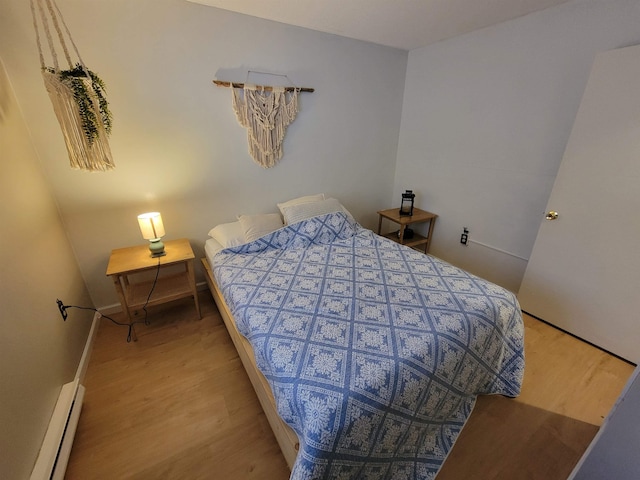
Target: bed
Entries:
(367, 356)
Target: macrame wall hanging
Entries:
(266, 112)
(77, 95)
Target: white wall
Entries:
(176, 143)
(485, 120)
(38, 351)
(614, 451)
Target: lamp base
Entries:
(157, 248)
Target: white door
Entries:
(584, 272)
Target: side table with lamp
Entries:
(127, 262)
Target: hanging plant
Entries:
(77, 94)
(83, 94)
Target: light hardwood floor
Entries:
(177, 404)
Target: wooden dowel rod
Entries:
(220, 83)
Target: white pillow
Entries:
(296, 201)
(256, 226)
(228, 234)
(296, 213)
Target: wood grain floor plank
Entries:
(177, 404)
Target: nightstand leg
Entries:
(192, 282)
(432, 222)
(120, 290)
(117, 282)
(134, 336)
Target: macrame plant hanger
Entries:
(77, 95)
(265, 112)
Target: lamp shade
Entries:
(151, 225)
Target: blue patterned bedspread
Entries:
(375, 352)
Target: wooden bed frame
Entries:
(286, 437)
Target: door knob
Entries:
(551, 215)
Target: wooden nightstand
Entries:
(129, 261)
(419, 216)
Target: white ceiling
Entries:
(404, 24)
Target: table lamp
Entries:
(152, 230)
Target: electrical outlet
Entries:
(464, 238)
(62, 308)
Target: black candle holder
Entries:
(406, 207)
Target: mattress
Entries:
(211, 248)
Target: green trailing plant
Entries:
(73, 79)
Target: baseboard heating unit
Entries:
(56, 447)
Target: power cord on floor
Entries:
(63, 309)
(101, 315)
